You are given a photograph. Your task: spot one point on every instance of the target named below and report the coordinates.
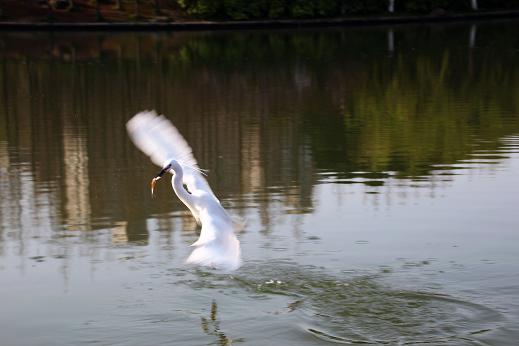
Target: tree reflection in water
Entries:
(270, 114)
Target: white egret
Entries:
(156, 136)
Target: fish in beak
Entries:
(157, 177)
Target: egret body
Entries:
(156, 136)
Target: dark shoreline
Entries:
(256, 24)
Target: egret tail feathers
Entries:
(222, 252)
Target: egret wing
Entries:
(158, 138)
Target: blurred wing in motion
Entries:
(158, 138)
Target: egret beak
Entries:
(157, 177)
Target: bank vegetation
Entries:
(233, 10)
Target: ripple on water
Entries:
(362, 311)
(402, 317)
(359, 309)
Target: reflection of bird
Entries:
(212, 327)
(156, 136)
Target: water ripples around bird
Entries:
(357, 308)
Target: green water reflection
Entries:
(262, 109)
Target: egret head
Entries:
(169, 166)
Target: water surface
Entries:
(377, 170)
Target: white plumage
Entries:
(156, 136)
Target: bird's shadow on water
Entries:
(356, 309)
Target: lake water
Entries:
(377, 170)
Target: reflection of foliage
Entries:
(401, 113)
(334, 100)
(419, 114)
